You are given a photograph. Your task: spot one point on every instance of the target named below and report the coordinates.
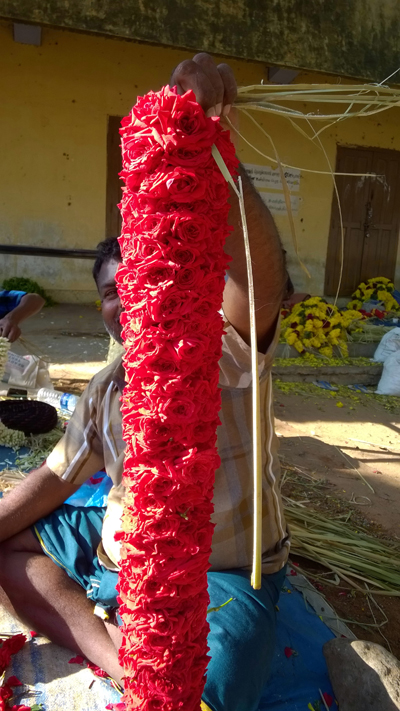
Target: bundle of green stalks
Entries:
(329, 102)
(360, 560)
(39, 447)
(368, 333)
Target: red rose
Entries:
(169, 303)
(177, 185)
(207, 410)
(218, 219)
(191, 348)
(151, 249)
(157, 226)
(192, 229)
(204, 309)
(153, 432)
(190, 156)
(139, 155)
(183, 255)
(189, 278)
(194, 465)
(179, 408)
(186, 124)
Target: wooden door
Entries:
(114, 183)
(371, 218)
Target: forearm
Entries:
(38, 495)
(268, 264)
(29, 305)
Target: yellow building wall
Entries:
(55, 104)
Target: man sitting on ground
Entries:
(15, 307)
(59, 563)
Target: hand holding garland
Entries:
(215, 89)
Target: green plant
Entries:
(28, 285)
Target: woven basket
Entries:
(28, 416)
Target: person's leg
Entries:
(43, 595)
(5, 602)
(115, 633)
(241, 639)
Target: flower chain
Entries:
(379, 289)
(174, 210)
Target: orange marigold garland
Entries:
(174, 210)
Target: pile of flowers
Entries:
(11, 438)
(316, 325)
(8, 647)
(174, 210)
(378, 289)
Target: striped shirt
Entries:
(93, 441)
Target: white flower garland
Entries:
(4, 348)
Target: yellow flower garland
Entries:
(316, 325)
(377, 289)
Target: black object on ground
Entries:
(28, 416)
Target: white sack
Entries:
(389, 383)
(390, 343)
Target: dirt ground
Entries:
(66, 334)
(351, 440)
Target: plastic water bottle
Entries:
(59, 400)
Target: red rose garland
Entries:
(174, 210)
